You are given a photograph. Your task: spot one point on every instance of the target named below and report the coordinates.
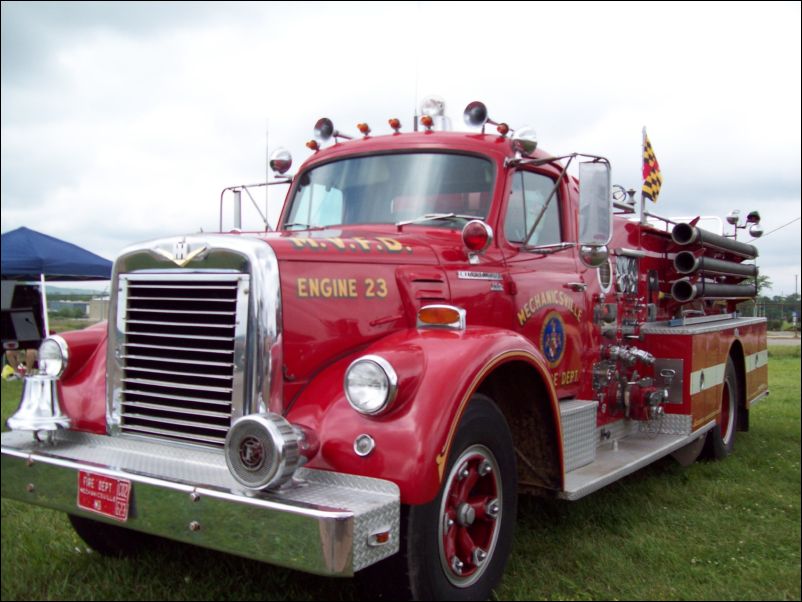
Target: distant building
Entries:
(81, 306)
(99, 309)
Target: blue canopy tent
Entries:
(31, 255)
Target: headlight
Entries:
(370, 384)
(53, 356)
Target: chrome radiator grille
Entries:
(182, 342)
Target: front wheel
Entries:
(110, 540)
(456, 546)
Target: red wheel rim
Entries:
(470, 516)
(726, 417)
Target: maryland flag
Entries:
(652, 178)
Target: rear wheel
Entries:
(456, 547)
(721, 438)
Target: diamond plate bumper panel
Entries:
(320, 523)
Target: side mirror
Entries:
(595, 211)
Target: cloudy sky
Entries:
(122, 122)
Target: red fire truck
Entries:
(439, 322)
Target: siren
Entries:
(475, 115)
(324, 129)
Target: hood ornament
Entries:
(182, 253)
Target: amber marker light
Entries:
(427, 122)
(312, 144)
(503, 129)
(441, 316)
(363, 128)
(395, 124)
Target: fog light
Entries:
(262, 450)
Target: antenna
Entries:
(417, 68)
(267, 165)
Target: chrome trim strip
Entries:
(321, 526)
(760, 397)
(666, 328)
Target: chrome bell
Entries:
(39, 408)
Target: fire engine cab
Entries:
(440, 322)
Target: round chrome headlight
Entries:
(370, 384)
(53, 356)
(262, 450)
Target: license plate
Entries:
(104, 495)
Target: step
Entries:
(623, 457)
(578, 420)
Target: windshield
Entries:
(390, 189)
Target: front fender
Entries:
(438, 372)
(82, 387)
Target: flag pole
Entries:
(643, 198)
(45, 321)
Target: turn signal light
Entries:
(443, 316)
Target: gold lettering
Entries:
(352, 287)
(302, 291)
(337, 242)
(364, 244)
(522, 317)
(393, 246)
(325, 287)
(314, 287)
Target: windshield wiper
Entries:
(304, 226)
(428, 217)
(549, 249)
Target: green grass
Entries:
(716, 530)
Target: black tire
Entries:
(110, 540)
(721, 438)
(449, 549)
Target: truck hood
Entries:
(341, 290)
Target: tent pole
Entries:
(46, 333)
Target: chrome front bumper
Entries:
(322, 522)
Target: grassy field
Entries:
(713, 531)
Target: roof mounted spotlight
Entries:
(324, 129)
(475, 115)
(524, 141)
(752, 222)
(434, 108)
(280, 161)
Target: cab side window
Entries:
(530, 192)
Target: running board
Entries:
(623, 457)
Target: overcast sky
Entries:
(122, 122)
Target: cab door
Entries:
(548, 286)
